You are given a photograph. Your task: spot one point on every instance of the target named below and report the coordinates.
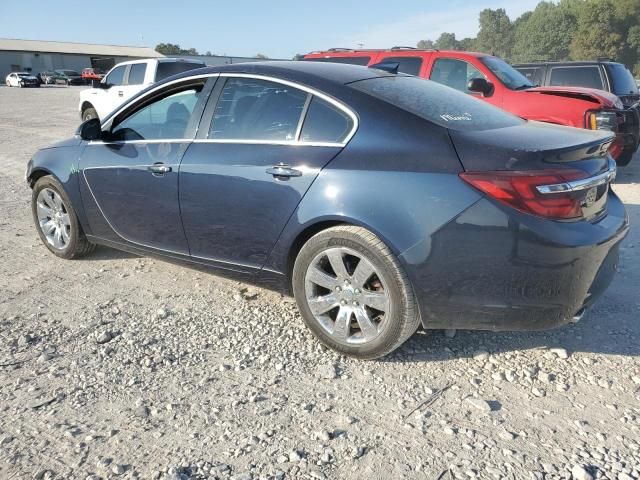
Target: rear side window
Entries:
(167, 69)
(349, 60)
(437, 103)
(252, 109)
(587, 76)
(409, 65)
(325, 123)
(136, 73)
(116, 76)
(533, 74)
(454, 73)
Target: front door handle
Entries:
(120, 93)
(282, 170)
(159, 169)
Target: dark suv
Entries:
(604, 75)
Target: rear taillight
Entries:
(522, 190)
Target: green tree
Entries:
(425, 44)
(467, 44)
(496, 32)
(447, 41)
(174, 49)
(262, 56)
(544, 34)
(598, 31)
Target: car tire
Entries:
(89, 113)
(353, 293)
(66, 82)
(62, 233)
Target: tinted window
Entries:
(349, 60)
(251, 109)
(588, 76)
(622, 80)
(167, 69)
(166, 118)
(508, 75)
(533, 74)
(409, 65)
(325, 123)
(454, 73)
(436, 103)
(136, 73)
(116, 76)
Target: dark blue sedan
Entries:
(380, 200)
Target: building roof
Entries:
(76, 48)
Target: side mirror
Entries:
(480, 85)
(90, 130)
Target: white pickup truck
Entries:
(125, 80)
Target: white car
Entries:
(21, 79)
(125, 80)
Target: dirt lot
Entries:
(123, 367)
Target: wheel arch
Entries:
(85, 105)
(39, 172)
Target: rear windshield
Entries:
(437, 103)
(167, 69)
(349, 60)
(622, 80)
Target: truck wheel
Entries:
(89, 113)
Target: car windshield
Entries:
(70, 73)
(623, 81)
(437, 103)
(23, 75)
(508, 75)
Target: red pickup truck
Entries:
(498, 83)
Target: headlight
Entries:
(602, 120)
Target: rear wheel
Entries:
(353, 293)
(56, 220)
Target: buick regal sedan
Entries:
(382, 201)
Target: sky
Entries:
(278, 29)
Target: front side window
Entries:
(588, 76)
(116, 76)
(509, 76)
(622, 79)
(325, 123)
(251, 109)
(136, 74)
(166, 118)
(454, 73)
(408, 65)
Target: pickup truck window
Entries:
(586, 76)
(136, 74)
(509, 76)
(409, 65)
(623, 81)
(454, 73)
(533, 74)
(167, 69)
(437, 103)
(116, 77)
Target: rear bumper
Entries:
(495, 269)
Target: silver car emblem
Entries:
(591, 197)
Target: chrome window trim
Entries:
(584, 184)
(339, 105)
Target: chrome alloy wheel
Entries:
(347, 296)
(53, 218)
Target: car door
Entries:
(129, 181)
(456, 73)
(133, 82)
(107, 98)
(259, 147)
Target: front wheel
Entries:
(353, 293)
(56, 220)
(89, 113)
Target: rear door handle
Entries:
(159, 169)
(282, 170)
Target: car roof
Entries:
(345, 52)
(575, 63)
(296, 70)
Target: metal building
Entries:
(36, 55)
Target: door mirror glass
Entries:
(90, 130)
(480, 85)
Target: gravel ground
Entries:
(116, 366)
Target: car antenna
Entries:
(391, 67)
